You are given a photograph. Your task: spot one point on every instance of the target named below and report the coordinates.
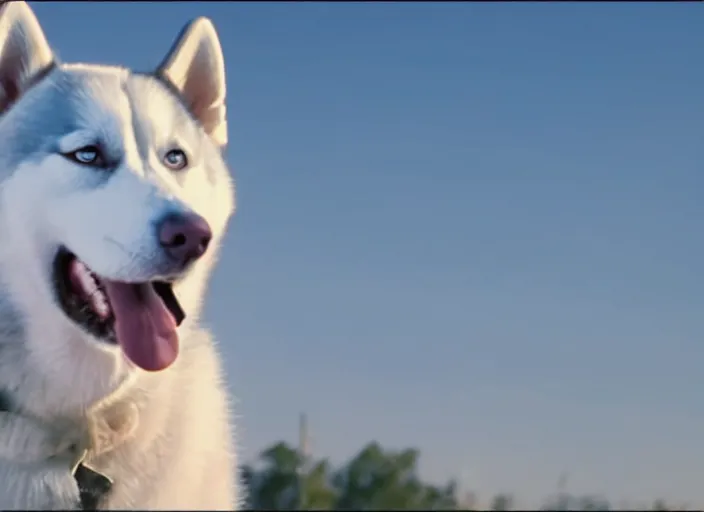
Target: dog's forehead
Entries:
(118, 105)
(158, 116)
(113, 100)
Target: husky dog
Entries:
(114, 197)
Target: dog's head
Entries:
(114, 196)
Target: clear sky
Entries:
(472, 228)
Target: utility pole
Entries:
(303, 452)
(563, 497)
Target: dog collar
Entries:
(93, 486)
(110, 428)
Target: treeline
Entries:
(374, 479)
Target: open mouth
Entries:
(139, 317)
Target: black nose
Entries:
(184, 237)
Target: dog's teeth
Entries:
(90, 290)
(100, 304)
(85, 279)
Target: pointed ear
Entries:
(195, 66)
(24, 51)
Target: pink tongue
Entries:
(145, 329)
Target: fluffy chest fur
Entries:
(180, 455)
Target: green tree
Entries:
(318, 494)
(379, 479)
(502, 502)
(593, 503)
(281, 481)
(373, 479)
(565, 501)
(274, 486)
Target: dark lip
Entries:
(164, 289)
(74, 306)
(80, 312)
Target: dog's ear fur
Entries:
(24, 51)
(196, 68)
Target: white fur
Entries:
(177, 452)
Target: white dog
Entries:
(114, 197)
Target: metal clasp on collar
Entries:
(93, 486)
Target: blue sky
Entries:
(471, 228)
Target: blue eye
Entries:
(88, 155)
(176, 160)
